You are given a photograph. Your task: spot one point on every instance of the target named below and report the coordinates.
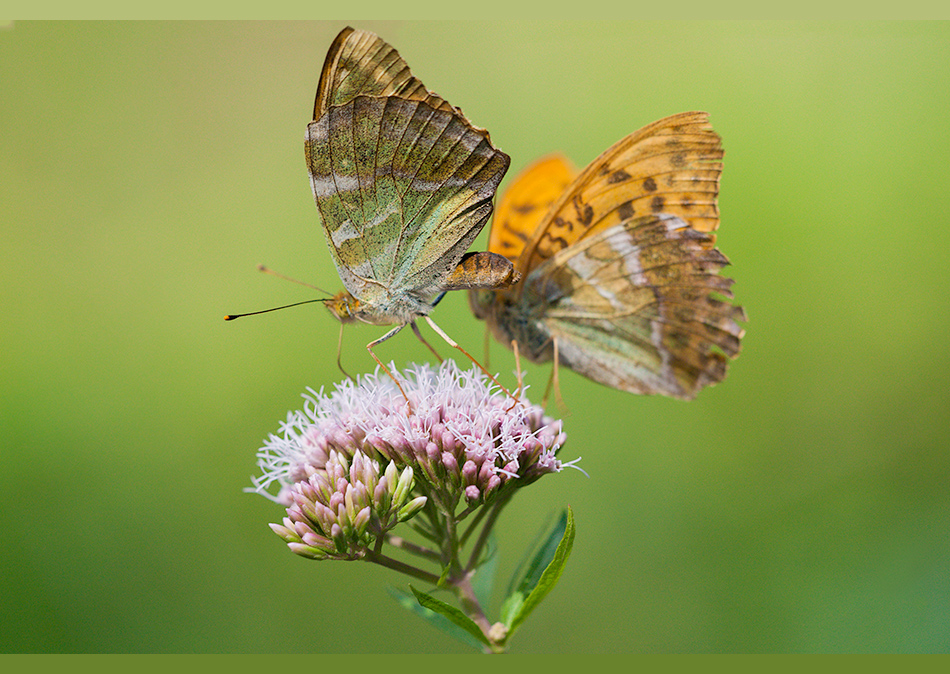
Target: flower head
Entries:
(354, 463)
(340, 510)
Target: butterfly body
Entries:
(474, 270)
(619, 265)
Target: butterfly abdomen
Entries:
(482, 270)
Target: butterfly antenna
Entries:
(268, 270)
(231, 317)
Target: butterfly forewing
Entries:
(360, 63)
(671, 166)
(526, 201)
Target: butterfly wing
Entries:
(402, 189)
(671, 166)
(360, 63)
(526, 201)
(632, 307)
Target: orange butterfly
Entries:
(618, 265)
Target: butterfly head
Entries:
(510, 320)
(345, 307)
(493, 307)
(482, 302)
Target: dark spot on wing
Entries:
(618, 177)
(625, 210)
(517, 233)
(657, 204)
(588, 216)
(677, 339)
(585, 213)
(649, 185)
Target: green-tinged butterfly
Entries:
(618, 266)
(403, 182)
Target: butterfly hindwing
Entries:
(631, 307)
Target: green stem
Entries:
(486, 530)
(413, 548)
(479, 516)
(450, 545)
(401, 567)
(469, 603)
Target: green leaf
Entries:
(527, 575)
(511, 606)
(440, 622)
(450, 612)
(550, 576)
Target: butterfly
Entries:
(403, 183)
(619, 273)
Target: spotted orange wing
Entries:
(671, 166)
(526, 201)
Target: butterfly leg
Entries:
(415, 329)
(514, 348)
(558, 400)
(451, 342)
(517, 396)
(556, 381)
(369, 347)
(547, 390)
(339, 354)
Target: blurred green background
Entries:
(802, 505)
